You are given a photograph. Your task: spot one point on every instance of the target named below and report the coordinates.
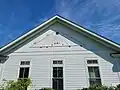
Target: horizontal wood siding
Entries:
(75, 72)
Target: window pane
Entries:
(26, 72)
(94, 81)
(54, 62)
(60, 71)
(22, 63)
(60, 84)
(92, 62)
(96, 70)
(89, 61)
(21, 73)
(57, 84)
(95, 62)
(54, 71)
(27, 62)
(91, 72)
(59, 62)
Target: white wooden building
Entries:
(62, 55)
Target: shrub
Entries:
(20, 84)
(46, 89)
(117, 87)
(101, 87)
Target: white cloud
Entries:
(101, 16)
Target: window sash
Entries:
(93, 72)
(94, 75)
(95, 81)
(24, 72)
(58, 72)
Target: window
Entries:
(57, 62)
(92, 62)
(24, 72)
(58, 78)
(94, 75)
(25, 63)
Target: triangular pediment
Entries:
(53, 39)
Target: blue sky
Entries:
(19, 16)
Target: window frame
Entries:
(92, 65)
(20, 66)
(57, 65)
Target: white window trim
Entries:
(57, 65)
(25, 66)
(92, 65)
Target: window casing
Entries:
(93, 71)
(24, 69)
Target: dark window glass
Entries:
(57, 62)
(58, 78)
(95, 62)
(94, 75)
(54, 62)
(96, 70)
(54, 71)
(21, 73)
(57, 71)
(24, 72)
(92, 62)
(55, 84)
(60, 72)
(25, 63)
(89, 61)
(22, 63)
(58, 84)
(94, 81)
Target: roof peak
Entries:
(64, 21)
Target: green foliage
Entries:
(101, 87)
(20, 84)
(46, 89)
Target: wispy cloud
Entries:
(101, 16)
(18, 17)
